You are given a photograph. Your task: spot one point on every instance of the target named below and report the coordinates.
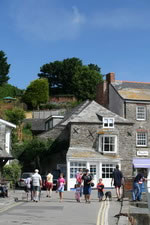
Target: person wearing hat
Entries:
(36, 183)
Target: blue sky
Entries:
(114, 34)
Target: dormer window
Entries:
(108, 122)
(141, 112)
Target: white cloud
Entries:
(45, 20)
(121, 19)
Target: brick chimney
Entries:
(110, 77)
(102, 92)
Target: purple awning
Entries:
(141, 163)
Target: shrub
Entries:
(12, 172)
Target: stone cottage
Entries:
(98, 139)
(130, 100)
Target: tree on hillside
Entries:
(16, 116)
(61, 76)
(4, 68)
(9, 90)
(36, 93)
(85, 82)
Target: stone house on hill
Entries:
(130, 100)
(98, 139)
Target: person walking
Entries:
(100, 189)
(28, 187)
(87, 181)
(77, 192)
(60, 186)
(49, 184)
(78, 176)
(137, 190)
(36, 183)
(117, 180)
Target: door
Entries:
(94, 173)
(107, 170)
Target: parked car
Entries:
(56, 174)
(43, 182)
(24, 176)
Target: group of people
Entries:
(34, 184)
(84, 184)
(87, 180)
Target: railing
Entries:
(147, 190)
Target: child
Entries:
(61, 184)
(78, 192)
(100, 188)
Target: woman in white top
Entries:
(49, 184)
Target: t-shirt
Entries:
(36, 178)
(117, 176)
(50, 178)
(28, 182)
(61, 182)
(100, 187)
(79, 178)
(87, 179)
(138, 177)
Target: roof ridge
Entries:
(133, 81)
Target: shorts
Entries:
(36, 188)
(49, 185)
(60, 189)
(87, 190)
(27, 189)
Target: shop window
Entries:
(107, 170)
(75, 166)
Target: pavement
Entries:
(51, 211)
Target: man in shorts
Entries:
(36, 183)
(117, 178)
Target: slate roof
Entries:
(81, 153)
(133, 90)
(36, 124)
(94, 113)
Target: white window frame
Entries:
(109, 121)
(107, 170)
(102, 139)
(141, 139)
(75, 166)
(141, 115)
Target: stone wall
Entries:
(139, 126)
(87, 136)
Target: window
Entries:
(108, 143)
(141, 113)
(141, 139)
(75, 166)
(107, 170)
(108, 122)
(93, 170)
